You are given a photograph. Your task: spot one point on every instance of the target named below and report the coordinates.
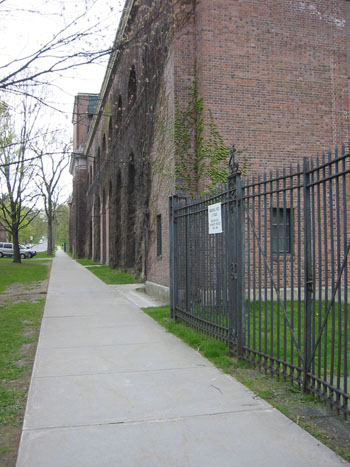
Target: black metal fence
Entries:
(274, 280)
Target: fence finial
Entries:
(233, 164)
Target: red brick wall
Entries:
(78, 219)
(163, 180)
(274, 75)
(81, 120)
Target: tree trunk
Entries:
(50, 246)
(16, 253)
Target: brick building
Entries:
(3, 234)
(84, 106)
(270, 76)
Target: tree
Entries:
(62, 223)
(77, 39)
(50, 171)
(18, 195)
(35, 230)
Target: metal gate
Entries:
(274, 284)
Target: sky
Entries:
(26, 25)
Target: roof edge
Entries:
(112, 59)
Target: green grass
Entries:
(87, 262)
(11, 404)
(113, 276)
(267, 326)
(267, 331)
(26, 272)
(214, 350)
(15, 319)
(19, 324)
(107, 274)
(44, 254)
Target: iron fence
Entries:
(274, 281)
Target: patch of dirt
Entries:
(10, 435)
(17, 293)
(29, 333)
(9, 441)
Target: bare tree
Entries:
(18, 194)
(50, 171)
(75, 42)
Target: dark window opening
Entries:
(98, 158)
(119, 113)
(110, 135)
(281, 230)
(159, 235)
(130, 253)
(104, 147)
(118, 216)
(132, 87)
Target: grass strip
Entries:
(87, 262)
(19, 330)
(44, 254)
(112, 276)
(107, 274)
(215, 351)
(23, 273)
(18, 325)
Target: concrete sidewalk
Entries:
(111, 388)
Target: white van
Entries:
(6, 249)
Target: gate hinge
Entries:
(310, 285)
(234, 274)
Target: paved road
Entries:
(111, 388)
(38, 247)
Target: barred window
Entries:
(281, 230)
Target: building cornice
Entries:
(107, 78)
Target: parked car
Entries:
(6, 249)
(28, 251)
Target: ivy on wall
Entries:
(198, 157)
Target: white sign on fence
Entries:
(214, 218)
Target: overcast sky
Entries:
(27, 24)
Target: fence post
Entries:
(235, 245)
(240, 266)
(172, 244)
(308, 279)
(187, 246)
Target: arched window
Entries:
(119, 118)
(110, 136)
(104, 147)
(132, 87)
(131, 219)
(98, 158)
(97, 231)
(118, 217)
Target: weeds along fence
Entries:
(271, 277)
